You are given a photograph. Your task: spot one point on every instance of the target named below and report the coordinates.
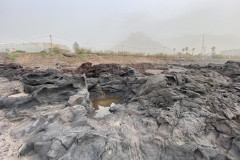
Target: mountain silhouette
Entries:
(139, 42)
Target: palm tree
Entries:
(186, 49)
(174, 50)
(183, 50)
(213, 49)
(193, 51)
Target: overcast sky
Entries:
(107, 22)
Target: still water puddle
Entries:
(105, 102)
(102, 105)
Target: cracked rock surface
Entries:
(190, 115)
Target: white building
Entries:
(30, 47)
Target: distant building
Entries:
(31, 47)
(232, 52)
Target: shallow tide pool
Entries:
(105, 102)
(102, 105)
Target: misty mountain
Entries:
(221, 42)
(139, 42)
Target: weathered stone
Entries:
(56, 150)
(42, 148)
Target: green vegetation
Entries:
(81, 55)
(43, 52)
(223, 56)
(12, 57)
(76, 47)
(19, 51)
(219, 56)
(82, 52)
(186, 53)
(56, 50)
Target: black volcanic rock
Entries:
(177, 116)
(13, 71)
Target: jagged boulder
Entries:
(13, 71)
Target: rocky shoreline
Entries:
(187, 115)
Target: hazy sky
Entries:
(107, 22)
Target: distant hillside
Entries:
(221, 42)
(139, 42)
